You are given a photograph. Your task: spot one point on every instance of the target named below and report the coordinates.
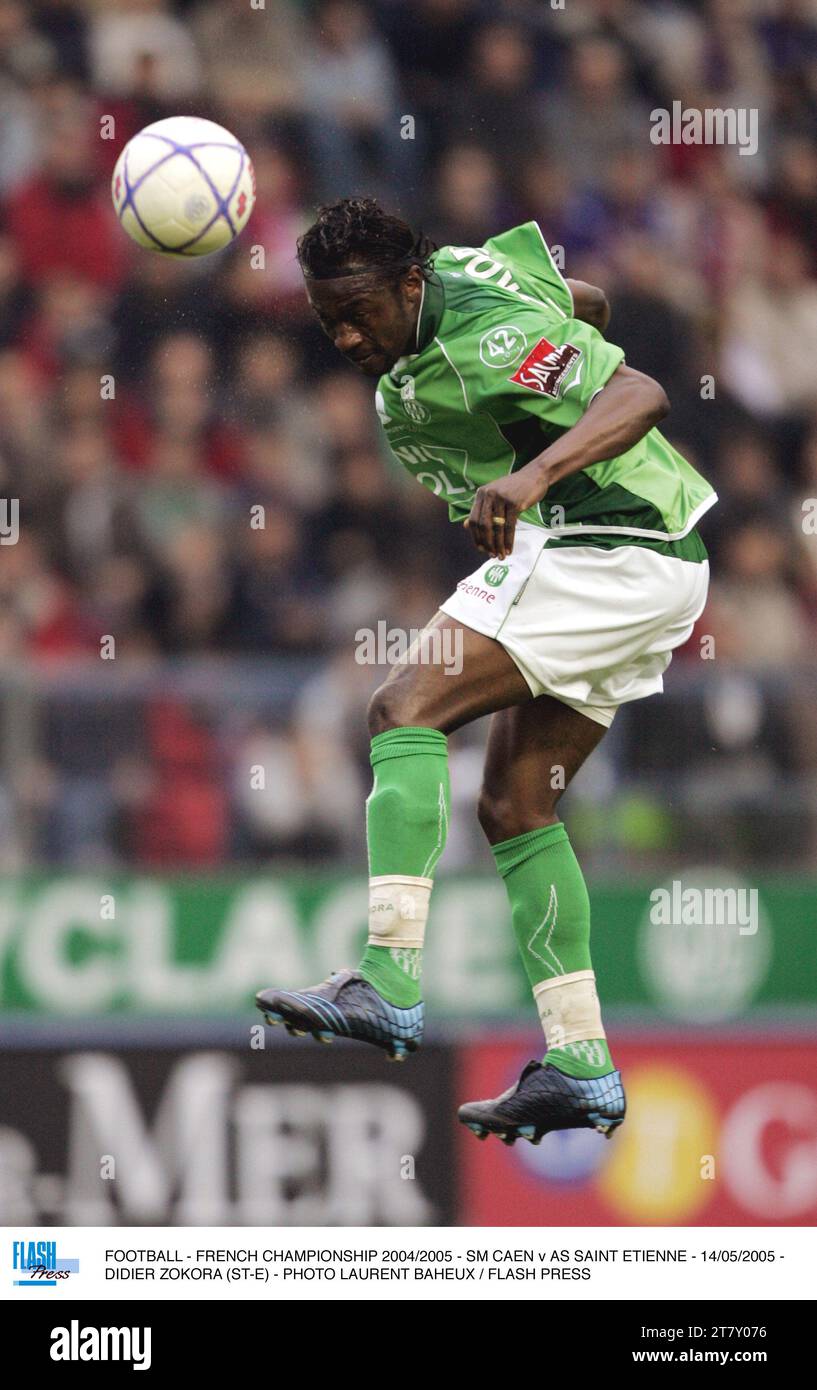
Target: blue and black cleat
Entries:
(345, 1006)
(544, 1099)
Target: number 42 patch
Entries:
(546, 366)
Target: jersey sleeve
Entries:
(531, 367)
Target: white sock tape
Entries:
(398, 910)
(569, 1008)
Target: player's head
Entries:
(364, 272)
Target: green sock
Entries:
(582, 1059)
(406, 826)
(550, 910)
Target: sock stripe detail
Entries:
(553, 906)
(442, 831)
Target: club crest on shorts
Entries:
(495, 574)
(546, 366)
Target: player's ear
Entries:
(412, 285)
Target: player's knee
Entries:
(503, 818)
(496, 816)
(393, 706)
(402, 702)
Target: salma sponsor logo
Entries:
(75, 1343)
(36, 1264)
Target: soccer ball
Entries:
(183, 186)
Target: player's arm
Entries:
(590, 304)
(620, 414)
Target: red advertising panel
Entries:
(717, 1134)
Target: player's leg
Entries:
(410, 717)
(533, 753)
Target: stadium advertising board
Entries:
(276, 1136)
(94, 945)
(717, 1134)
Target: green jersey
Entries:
(501, 370)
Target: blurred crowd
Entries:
(147, 406)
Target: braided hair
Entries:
(355, 235)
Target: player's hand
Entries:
(497, 506)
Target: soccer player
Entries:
(497, 390)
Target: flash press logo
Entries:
(35, 1263)
(75, 1343)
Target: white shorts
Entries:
(592, 627)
